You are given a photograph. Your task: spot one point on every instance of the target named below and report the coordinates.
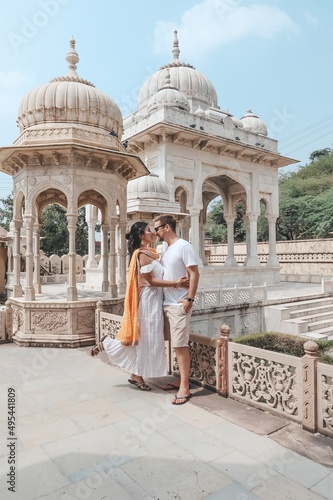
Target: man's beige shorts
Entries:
(177, 325)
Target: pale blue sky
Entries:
(273, 56)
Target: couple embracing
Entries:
(158, 305)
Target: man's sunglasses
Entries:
(159, 227)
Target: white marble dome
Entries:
(168, 96)
(70, 99)
(148, 187)
(253, 123)
(185, 78)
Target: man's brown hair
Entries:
(167, 219)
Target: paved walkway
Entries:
(82, 432)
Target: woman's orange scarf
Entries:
(129, 330)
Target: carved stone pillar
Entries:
(195, 235)
(252, 260)
(36, 239)
(230, 260)
(122, 257)
(272, 258)
(10, 257)
(222, 361)
(29, 291)
(202, 243)
(309, 386)
(113, 283)
(72, 290)
(184, 227)
(17, 287)
(91, 218)
(105, 257)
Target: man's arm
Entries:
(193, 272)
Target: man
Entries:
(178, 259)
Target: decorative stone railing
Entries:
(298, 389)
(221, 297)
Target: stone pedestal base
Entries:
(56, 324)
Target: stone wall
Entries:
(295, 257)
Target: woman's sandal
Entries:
(141, 385)
(97, 348)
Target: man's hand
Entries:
(186, 305)
(183, 282)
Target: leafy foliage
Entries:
(306, 205)
(286, 344)
(6, 211)
(54, 233)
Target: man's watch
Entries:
(189, 299)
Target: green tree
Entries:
(54, 233)
(6, 211)
(306, 199)
(320, 153)
(216, 226)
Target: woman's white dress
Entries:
(148, 358)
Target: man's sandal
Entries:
(177, 398)
(140, 385)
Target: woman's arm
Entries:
(144, 260)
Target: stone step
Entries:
(304, 304)
(294, 326)
(315, 336)
(324, 323)
(298, 313)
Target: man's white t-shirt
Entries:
(175, 259)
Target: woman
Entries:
(139, 347)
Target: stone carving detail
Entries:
(203, 363)
(86, 319)
(109, 327)
(48, 320)
(266, 382)
(17, 319)
(250, 322)
(327, 402)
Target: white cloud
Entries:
(214, 23)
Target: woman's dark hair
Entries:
(134, 236)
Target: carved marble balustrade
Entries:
(297, 389)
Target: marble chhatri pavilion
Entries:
(175, 153)
(69, 152)
(200, 152)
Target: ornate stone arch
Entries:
(182, 187)
(181, 197)
(48, 185)
(19, 201)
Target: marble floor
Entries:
(81, 431)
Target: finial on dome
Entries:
(72, 58)
(175, 50)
